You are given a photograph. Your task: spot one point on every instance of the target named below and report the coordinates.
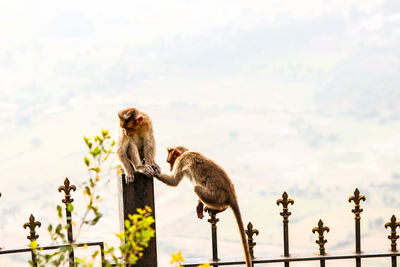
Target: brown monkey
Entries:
(211, 184)
(136, 146)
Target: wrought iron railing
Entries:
(287, 257)
(32, 224)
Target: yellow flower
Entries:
(176, 258)
(33, 244)
(119, 169)
(204, 265)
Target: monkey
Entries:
(211, 184)
(136, 146)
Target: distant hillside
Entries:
(364, 86)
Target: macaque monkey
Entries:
(136, 146)
(211, 184)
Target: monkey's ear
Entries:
(139, 118)
(176, 152)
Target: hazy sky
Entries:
(272, 90)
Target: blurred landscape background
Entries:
(302, 97)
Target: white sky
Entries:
(262, 87)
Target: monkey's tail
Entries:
(238, 216)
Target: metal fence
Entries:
(127, 191)
(321, 256)
(32, 224)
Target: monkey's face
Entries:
(173, 154)
(130, 120)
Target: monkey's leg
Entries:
(214, 199)
(200, 209)
(127, 165)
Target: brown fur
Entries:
(136, 141)
(211, 184)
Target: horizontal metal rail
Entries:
(292, 258)
(50, 247)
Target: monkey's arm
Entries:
(123, 156)
(172, 180)
(149, 149)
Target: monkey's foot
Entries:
(130, 178)
(199, 210)
(215, 211)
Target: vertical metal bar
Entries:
(32, 224)
(285, 201)
(321, 239)
(33, 256)
(286, 241)
(214, 242)
(103, 261)
(286, 238)
(138, 194)
(250, 232)
(393, 224)
(67, 188)
(358, 241)
(213, 221)
(358, 262)
(70, 238)
(357, 211)
(358, 236)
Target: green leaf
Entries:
(70, 207)
(99, 140)
(59, 211)
(96, 151)
(87, 141)
(97, 170)
(87, 161)
(104, 133)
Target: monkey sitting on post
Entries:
(211, 184)
(136, 146)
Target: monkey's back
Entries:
(207, 172)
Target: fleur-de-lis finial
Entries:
(393, 235)
(32, 225)
(321, 241)
(213, 219)
(250, 232)
(357, 198)
(67, 189)
(285, 202)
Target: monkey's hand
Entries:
(157, 170)
(199, 210)
(148, 171)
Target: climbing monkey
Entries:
(211, 184)
(136, 146)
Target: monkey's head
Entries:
(174, 153)
(130, 119)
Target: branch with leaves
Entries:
(138, 232)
